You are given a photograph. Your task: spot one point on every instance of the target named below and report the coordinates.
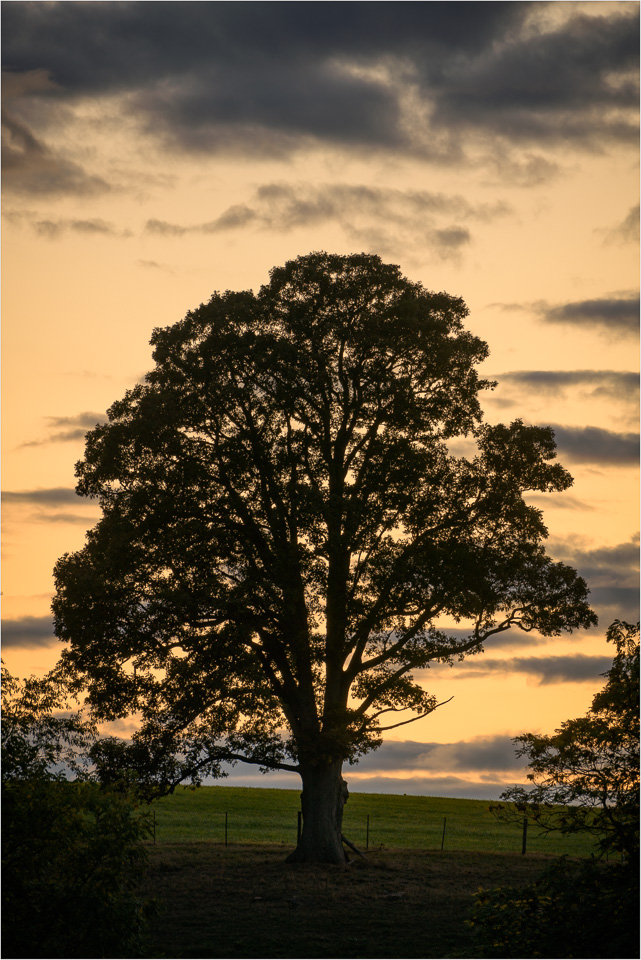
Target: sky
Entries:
(156, 152)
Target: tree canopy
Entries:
(585, 776)
(287, 531)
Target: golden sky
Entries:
(156, 152)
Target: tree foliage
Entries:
(586, 775)
(286, 527)
(587, 909)
(71, 856)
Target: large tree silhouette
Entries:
(285, 531)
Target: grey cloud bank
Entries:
(596, 445)
(436, 80)
(613, 384)
(28, 632)
(617, 313)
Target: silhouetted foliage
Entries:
(71, 856)
(586, 775)
(587, 909)
(586, 780)
(285, 528)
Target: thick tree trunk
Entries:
(323, 798)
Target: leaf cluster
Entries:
(586, 775)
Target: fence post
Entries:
(225, 828)
(524, 844)
(443, 836)
(300, 826)
(367, 834)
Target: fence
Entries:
(264, 816)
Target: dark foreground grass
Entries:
(244, 901)
(413, 822)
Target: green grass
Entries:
(269, 816)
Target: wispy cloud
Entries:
(434, 219)
(48, 505)
(598, 384)
(612, 573)
(46, 497)
(627, 231)
(67, 429)
(87, 228)
(543, 670)
(30, 166)
(477, 754)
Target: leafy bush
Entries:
(586, 781)
(573, 910)
(71, 856)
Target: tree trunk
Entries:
(323, 798)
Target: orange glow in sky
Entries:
(492, 155)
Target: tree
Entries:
(586, 775)
(71, 856)
(284, 530)
(585, 780)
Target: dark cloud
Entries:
(537, 88)
(545, 670)
(66, 429)
(50, 497)
(480, 753)
(607, 314)
(596, 445)
(28, 632)
(612, 573)
(48, 505)
(29, 166)
(455, 787)
(599, 384)
(267, 78)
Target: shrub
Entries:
(71, 852)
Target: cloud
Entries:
(48, 497)
(478, 754)
(67, 429)
(556, 85)
(612, 573)
(360, 210)
(28, 632)
(606, 314)
(596, 445)
(268, 79)
(545, 670)
(155, 265)
(88, 228)
(48, 505)
(29, 166)
(625, 232)
(598, 384)
(550, 501)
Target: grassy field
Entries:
(407, 898)
(244, 901)
(268, 816)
